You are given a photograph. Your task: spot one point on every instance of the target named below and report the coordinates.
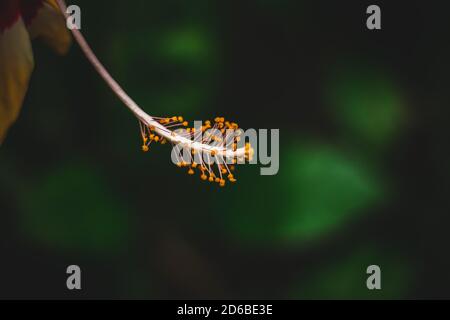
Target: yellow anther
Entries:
(249, 154)
(223, 172)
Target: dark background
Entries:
(364, 158)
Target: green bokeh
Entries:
(346, 278)
(189, 45)
(72, 208)
(326, 189)
(171, 71)
(318, 191)
(366, 104)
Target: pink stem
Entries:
(90, 55)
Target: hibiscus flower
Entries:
(20, 22)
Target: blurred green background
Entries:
(364, 158)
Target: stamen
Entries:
(157, 129)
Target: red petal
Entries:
(29, 9)
(11, 10)
(9, 13)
